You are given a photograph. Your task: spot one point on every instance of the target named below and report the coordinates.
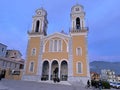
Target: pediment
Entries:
(57, 35)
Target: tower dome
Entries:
(41, 12)
(77, 8)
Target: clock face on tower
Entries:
(39, 12)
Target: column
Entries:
(49, 70)
(70, 62)
(59, 71)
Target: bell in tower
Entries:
(39, 24)
(77, 23)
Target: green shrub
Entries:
(105, 85)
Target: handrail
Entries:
(82, 29)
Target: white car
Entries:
(113, 84)
(118, 85)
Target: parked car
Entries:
(113, 84)
(118, 85)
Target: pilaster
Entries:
(70, 61)
(39, 69)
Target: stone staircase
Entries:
(61, 82)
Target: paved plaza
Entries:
(30, 85)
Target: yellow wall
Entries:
(34, 42)
(79, 41)
(8, 75)
(55, 55)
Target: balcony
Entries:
(34, 33)
(81, 30)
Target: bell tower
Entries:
(39, 24)
(35, 44)
(78, 46)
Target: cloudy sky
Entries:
(102, 18)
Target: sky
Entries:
(102, 18)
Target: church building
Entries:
(58, 55)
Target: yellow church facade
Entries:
(58, 55)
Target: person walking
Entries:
(0, 76)
(100, 85)
(88, 83)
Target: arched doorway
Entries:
(3, 73)
(64, 71)
(45, 70)
(54, 70)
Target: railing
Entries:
(81, 29)
(64, 77)
(35, 33)
(54, 76)
(44, 77)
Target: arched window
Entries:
(78, 51)
(79, 67)
(31, 67)
(33, 52)
(51, 45)
(77, 23)
(55, 45)
(37, 26)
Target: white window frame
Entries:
(56, 49)
(51, 45)
(30, 66)
(33, 54)
(77, 52)
(78, 68)
(59, 46)
(4, 64)
(13, 65)
(10, 64)
(3, 49)
(17, 66)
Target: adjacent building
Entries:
(10, 60)
(13, 54)
(108, 75)
(3, 49)
(118, 78)
(95, 76)
(58, 55)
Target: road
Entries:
(31, 85)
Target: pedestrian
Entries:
(0, 76)
(100, 85)
(88, 83)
